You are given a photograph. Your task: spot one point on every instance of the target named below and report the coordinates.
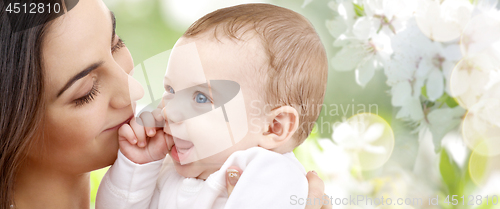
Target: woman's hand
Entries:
(316, 190)
(316, 186)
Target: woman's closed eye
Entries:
(201, 98)
(94, 91)
(89, 97)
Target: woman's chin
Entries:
(108, 150)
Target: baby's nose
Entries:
(171, 115)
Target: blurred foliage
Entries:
(456, 180)
(95, 180)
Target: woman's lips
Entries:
(121, 124)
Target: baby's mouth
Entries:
(182, 149)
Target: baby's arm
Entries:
(269, 180)
(131, 181)
(128, 185)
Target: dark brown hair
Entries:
(21, 87)
(297, 63)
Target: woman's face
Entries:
(87, 98)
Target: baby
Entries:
(244, 86)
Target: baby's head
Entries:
(270, 59)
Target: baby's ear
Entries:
(282, 123)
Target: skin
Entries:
(78, 136)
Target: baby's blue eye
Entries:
(201, 98)
(170, 89)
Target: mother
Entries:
(64, 93)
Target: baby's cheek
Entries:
(209, 133)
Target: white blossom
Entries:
(367, 138)
(481, 127)
(356, 137)
(363, 56)
(435, 54)
(366, 39)
(468, 81)
(443, 20)
(481, 38)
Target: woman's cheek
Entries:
(73, 128)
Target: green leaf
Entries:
(359, 10)
(444, 99)
(450, 172)
(424, 92)
(450, 101)
(466, 184)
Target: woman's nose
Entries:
(128, 90)
(135, 89)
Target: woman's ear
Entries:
(282, 123)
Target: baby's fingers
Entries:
(138, 129)
(126, 133)
(149, 123)
(158, 117)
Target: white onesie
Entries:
(269, 180)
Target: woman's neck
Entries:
(39, 187)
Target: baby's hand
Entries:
(141, 141)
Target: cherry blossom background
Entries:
(441, 61)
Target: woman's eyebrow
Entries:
(79, 76)
(93, 66)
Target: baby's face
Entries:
(209, 89)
